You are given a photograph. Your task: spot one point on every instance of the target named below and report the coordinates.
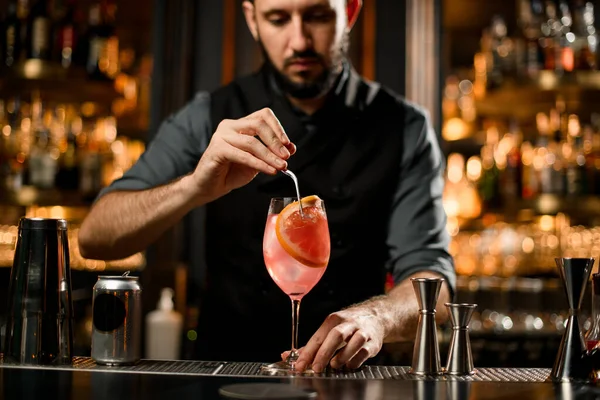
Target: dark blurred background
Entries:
(512, 88)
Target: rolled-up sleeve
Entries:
(178, 145)
(418, 240)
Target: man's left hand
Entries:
(356, 332)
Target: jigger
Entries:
(575, 273)
(460, 358)
(426, 353)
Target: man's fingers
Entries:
(310, 349)
(251, 145)
(355, 344)
(292, 148)
(368, 350)
(269, 116)
(264, 125)
(334, 340)
(238, 156)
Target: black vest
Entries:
(351, 160)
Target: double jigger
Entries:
(426, 355)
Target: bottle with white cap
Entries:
(163, 329)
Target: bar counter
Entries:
(206, 380)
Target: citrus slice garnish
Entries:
(304, 237)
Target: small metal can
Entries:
(117, 317)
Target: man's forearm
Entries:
(123, 223)
(399, 310)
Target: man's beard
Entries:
(313, 88)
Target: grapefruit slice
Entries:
(305, 238)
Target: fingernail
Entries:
(284, 152)
(281, 163)
(291, 148)
(317, 367)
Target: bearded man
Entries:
(368, 153)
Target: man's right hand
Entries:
(239, 150)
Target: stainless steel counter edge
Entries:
(252, 369)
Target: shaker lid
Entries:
(43, 223)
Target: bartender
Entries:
(368, 153)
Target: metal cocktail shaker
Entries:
(39, 325)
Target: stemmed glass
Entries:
(296, 250)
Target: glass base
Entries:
(284, 368)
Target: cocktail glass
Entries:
(296, 248)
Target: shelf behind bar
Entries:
(585, 207)
(55, 83)
(31, 196)
(522, 99)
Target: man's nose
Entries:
(301, 39)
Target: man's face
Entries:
(304, 40)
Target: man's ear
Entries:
(352, 10)
(249, 14)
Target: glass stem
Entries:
(295, 314)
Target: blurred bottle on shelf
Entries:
(529, 179)
(110, 63)
(573, 153)
(94, 42)
(23, 8)
(14, 161)
(66, 35)
(38, 44)
(529, 57)
(43, 155)
(512, 176)
(103, 43)
(565, 39)
(550, 28)
(489, 183)
(585, 42)
(499, 46)
(11, 36)
(554, 160)
(461, 199)
(68, 175)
